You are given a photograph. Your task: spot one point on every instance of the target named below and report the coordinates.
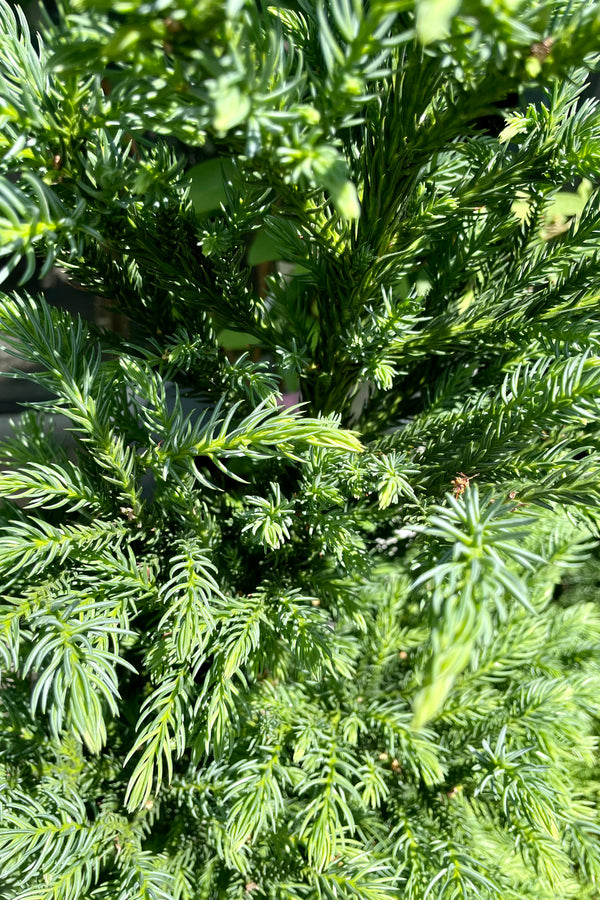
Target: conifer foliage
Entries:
(342, 650)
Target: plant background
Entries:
(258, 651)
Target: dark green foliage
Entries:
(344, 649)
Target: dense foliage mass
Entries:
(343, 649)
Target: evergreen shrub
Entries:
(344, 648)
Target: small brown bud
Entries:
(541, 49)
(173, 26)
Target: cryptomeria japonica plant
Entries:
(342, 648)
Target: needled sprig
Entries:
(469, 586)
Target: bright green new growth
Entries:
(348, 649)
